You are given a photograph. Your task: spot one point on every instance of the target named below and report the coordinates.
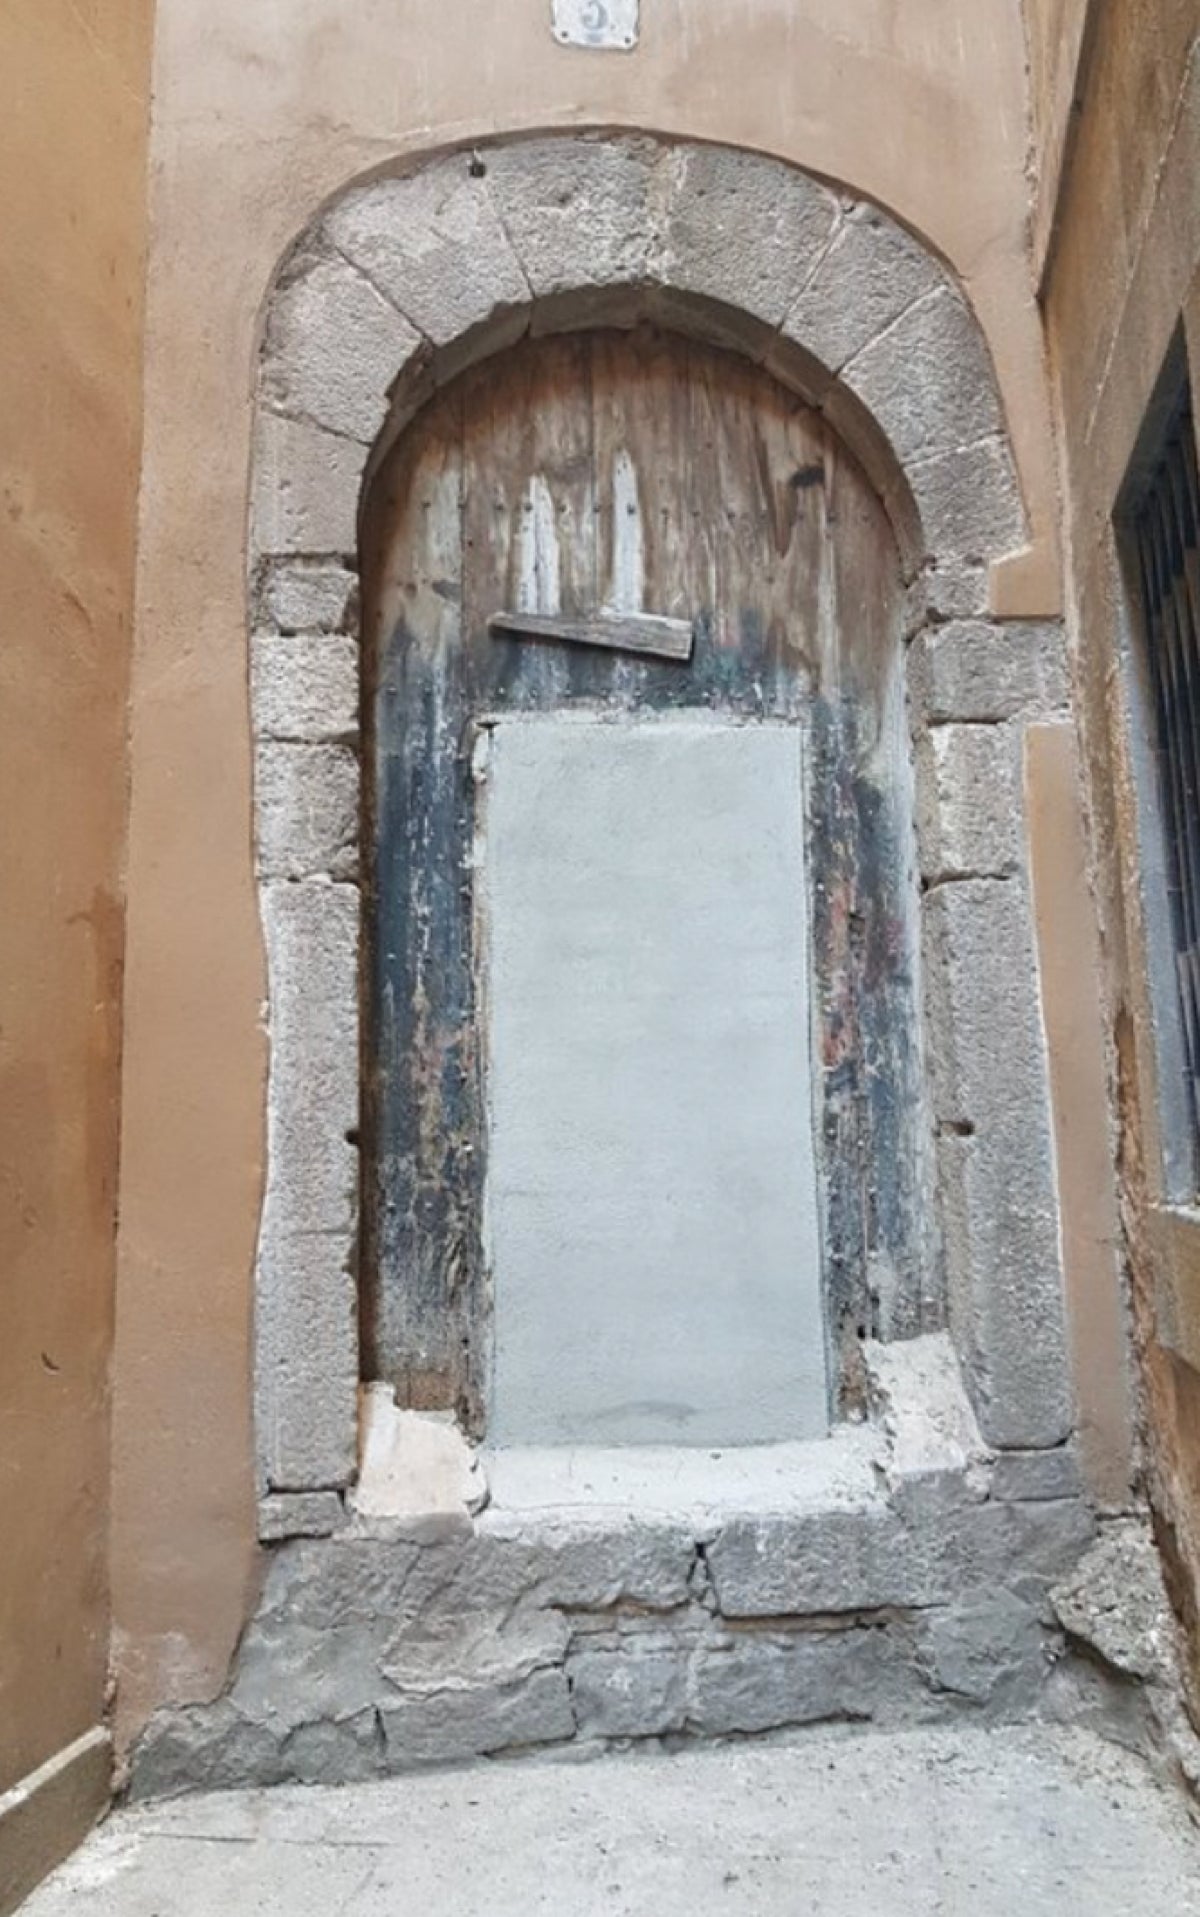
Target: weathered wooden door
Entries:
(616, 1177)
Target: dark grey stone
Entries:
(627, 1692)
(450, 1724)
(761, 1682)
(1035, 1476)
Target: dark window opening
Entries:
(1166, 529)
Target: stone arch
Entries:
(393, 289)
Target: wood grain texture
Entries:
(617, 632)
(638, 473)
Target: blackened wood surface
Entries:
(627, 473)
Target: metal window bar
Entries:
(1168, 546)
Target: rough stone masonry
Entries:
(897, 1572)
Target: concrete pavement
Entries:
(1031, 1822)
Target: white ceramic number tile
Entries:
(596, 23)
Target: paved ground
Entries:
(918, 1824)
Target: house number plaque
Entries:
(596, 23)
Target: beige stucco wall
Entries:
(262, 113)
(74, 110)
(1121, 273)
(1057, 32)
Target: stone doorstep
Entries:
(369, 1656)
(876, 1575)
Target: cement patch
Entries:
(651, 1199)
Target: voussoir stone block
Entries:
(306, 488)
(928, 379)
(304, 687)
(742, 231)
(954, 585)
(971, 671)
(433, 243)
(968, 500)
(334, 347)
(306, 809)
(872, 272)
(580, 212)
(969, 801)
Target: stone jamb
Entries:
(394, 289)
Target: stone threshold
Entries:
(896, 1572)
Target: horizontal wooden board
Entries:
(619, 632)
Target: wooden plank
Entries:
(618, 632)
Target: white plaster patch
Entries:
(686, 1483)
(414, 1465)
(922, 1405)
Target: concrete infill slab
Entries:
(685, 1483)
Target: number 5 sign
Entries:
(596, 23)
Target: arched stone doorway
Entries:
(713, 1595)
(599, 1039)
(391, 294)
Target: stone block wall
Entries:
(905, 1580)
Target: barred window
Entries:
(1166, 529)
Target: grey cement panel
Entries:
(651, 1204)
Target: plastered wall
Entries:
(1058, 36)
(1120, 277)
(262, 114)
(74, 109)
